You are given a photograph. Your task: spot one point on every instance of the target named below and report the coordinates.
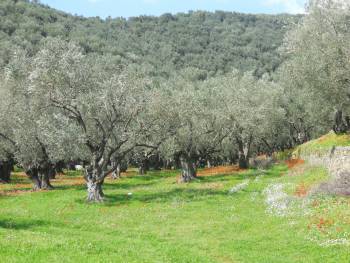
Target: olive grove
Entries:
(60, 103)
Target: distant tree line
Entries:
(210, 43)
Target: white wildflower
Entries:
(334, 242)
(277, 200)
(239, 187)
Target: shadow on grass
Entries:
(156, 175)
(161, 197)
(21, 224)
(227, 177)
(183, 194)
(106, 186)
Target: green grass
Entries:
(167, 222)
(323, 144)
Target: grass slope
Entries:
(167, 222)
(323, 144)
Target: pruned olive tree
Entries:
(105, 105)
(6, 143)
(197, 130)
(29, 130)
(249, 107)
(318, 67)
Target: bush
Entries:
(283, 156)
(261, 162)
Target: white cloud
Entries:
(289, 6)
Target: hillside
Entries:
(323, 145)
(208, 43)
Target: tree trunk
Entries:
(59, 166)
(94, 183)
(143, 167)
(208, 164)
(243, 153)
(6, 167)
(44, 176)
(117, 173)
(167, 164)
(33, 176)
(95, 192)
(188, 169)
(142, 170)
(157, 163)
(243, 161)
(341, 125)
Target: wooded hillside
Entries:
(209, 43)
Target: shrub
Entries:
(262, 162)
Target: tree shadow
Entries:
(21, 224)
(162, 197)
(228, 177)
(106, 186)
(69, 187)
(156, 175)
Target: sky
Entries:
(128, 8)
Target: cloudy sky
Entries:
(127, 8)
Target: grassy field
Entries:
(163, 221)
(323, 144)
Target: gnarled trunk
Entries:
(116, 174)
(341, 124)
(34, 177)
(143, 166)
(94, 182)
(95, 192)
(44, 175)
(188, 168)
(6, 167)
(244, 152)
(243, 160)
(40, 178)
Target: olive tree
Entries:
(250, 110)
(105, 105)
(197, 130)
(29, 130)
(318, 65)
(6, 143)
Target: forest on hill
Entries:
(208, 43)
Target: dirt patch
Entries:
(301, 190)
(294, 162)
(219, 170)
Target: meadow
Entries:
(228, 217)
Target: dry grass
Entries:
(219, 170)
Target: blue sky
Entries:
(127, 8)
